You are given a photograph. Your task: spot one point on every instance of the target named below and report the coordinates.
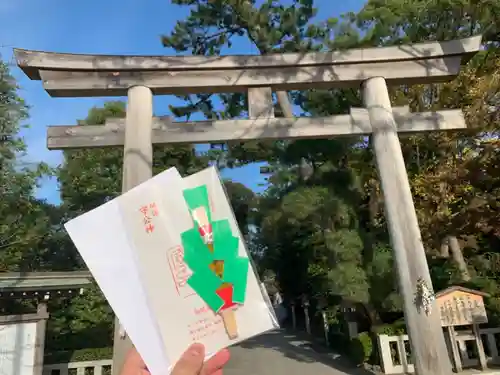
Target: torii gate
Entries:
(139, 77)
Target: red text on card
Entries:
(149, 211)
(180, 271)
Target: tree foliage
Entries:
(24, 227)
(325, 235)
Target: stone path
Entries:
(284, 353)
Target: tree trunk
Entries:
(445, 249)
(458, 257)
(451, 244)
(284, 102)
(373, 315)
(305, 169)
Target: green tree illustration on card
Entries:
(211, 252)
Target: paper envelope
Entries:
(134, 246)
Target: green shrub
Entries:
(396, 328)
(361, 348)
(80, 355)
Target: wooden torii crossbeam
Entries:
(165, 131)
(139, 77)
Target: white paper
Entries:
(103, 242)
(136, 258)
(17, 348)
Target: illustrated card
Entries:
(194, 265)
(185, 250)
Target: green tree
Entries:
(345, 250)
(270, 28)
(23, 219)
(89, 178)
(310, 250)
(83, 322)
(444, 167)
(242, 201)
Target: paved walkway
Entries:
(284, 353)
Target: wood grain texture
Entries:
(41, 328)
(138, 151)
(165, 131)
(452, 342)
(430, 355)
(137, 168)
(33, 61)
(480, 347)
(88, 84)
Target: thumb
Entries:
(191, 361)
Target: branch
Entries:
(205, 39)
(23, 241)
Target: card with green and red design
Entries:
(179, 242)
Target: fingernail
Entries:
(195, 350)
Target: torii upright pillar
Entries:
(423, 326)
(137, 168)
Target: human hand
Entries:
(190, 363)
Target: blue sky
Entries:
(100, 27)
